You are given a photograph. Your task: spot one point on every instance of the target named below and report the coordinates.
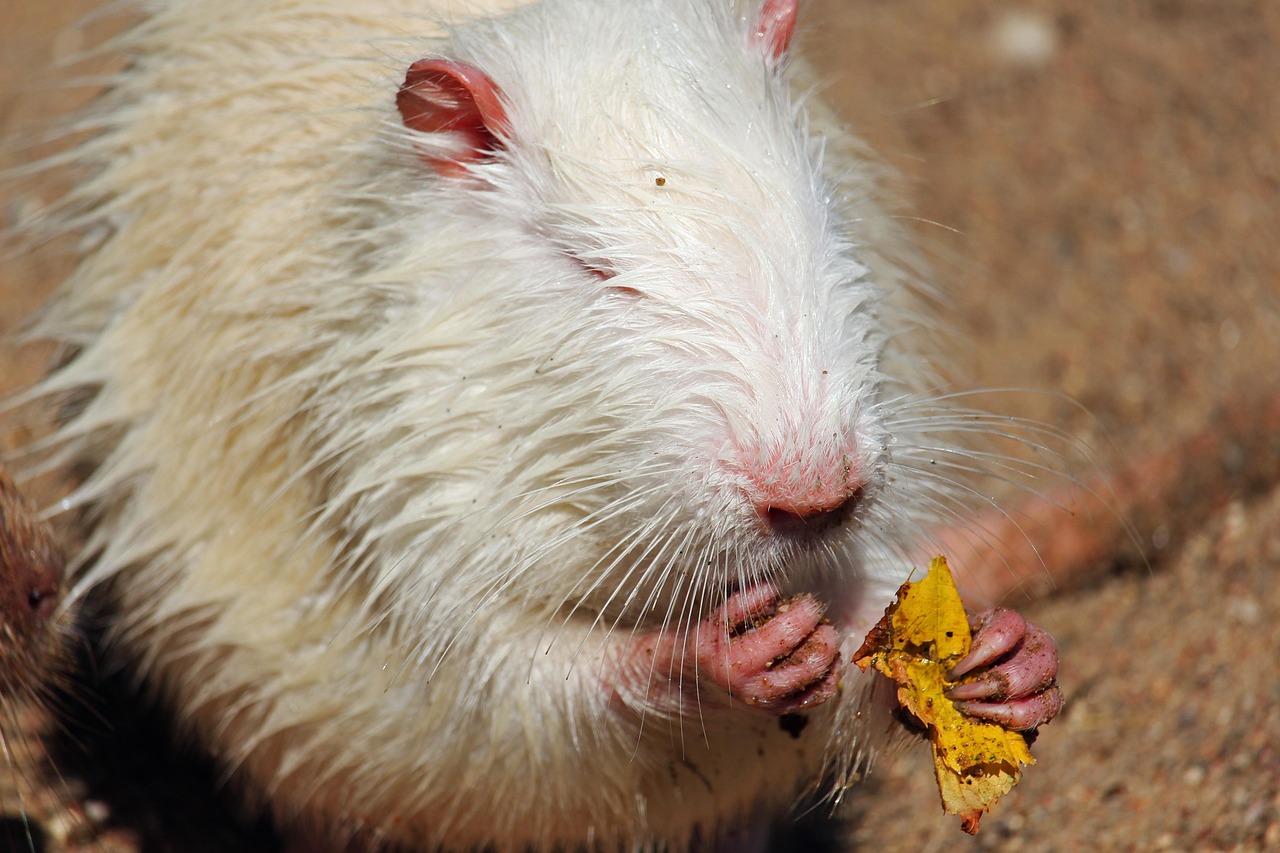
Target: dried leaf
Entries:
(923, 634)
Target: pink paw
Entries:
(779, 657)
(1012, 669)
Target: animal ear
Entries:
(776, 25)
(445, 96)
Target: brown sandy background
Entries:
(1100, 197)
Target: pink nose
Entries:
(790, 511)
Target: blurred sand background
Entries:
(1098, 187)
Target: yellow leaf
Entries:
(923, 634)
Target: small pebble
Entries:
(1023, 37)
(96, 811)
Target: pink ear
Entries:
(776, 25)
(444, 95)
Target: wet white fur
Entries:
(385, 476)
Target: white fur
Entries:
(385, 477)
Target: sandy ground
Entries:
(1098, 187)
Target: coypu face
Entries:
(683, 335)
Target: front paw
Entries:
(1010, 673)
(753, 651)
(776, 656)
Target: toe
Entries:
(996, 633)
(1031, 668)
(735, 661)
(744, 607)
(807, 665)
(1018, 714)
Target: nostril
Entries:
(795, 517)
